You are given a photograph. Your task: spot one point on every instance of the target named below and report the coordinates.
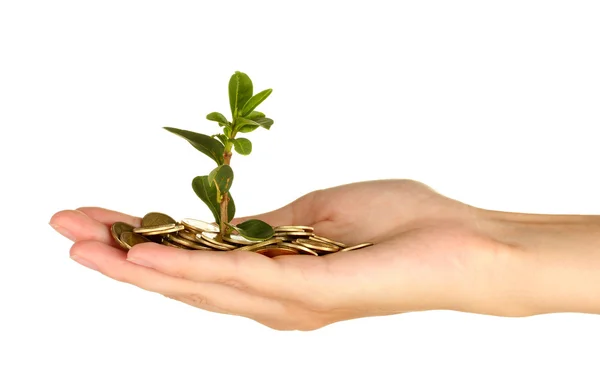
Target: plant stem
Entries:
(224, 229)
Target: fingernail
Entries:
(84, 262)
(140, 262)
(64, 231)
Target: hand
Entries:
(430, 252)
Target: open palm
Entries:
(427, 255)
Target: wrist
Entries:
(554, 262)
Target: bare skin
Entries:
(430, 253)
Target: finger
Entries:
(109, 217)
(249, 271)
(78, 226)
(90, 223)
(209, 296)
(302, 211)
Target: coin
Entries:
(327, 240)
(298, 234)
(206, 243)
(131, 239)
(158, 229)
(299, 247)
(182, 241)
(156, 218)
(199, 226)
(209, 239)
(316, 245)
(238, 240)
(356, 247)
(293, 228)
(285, 239)
(259, 245)
(117, 229)
(172, 244)
(188, 235)
(276, 251)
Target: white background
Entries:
(492, 103)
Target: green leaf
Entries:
(255, 230)
(222, 137)
(227, 131)
(208, 194)
(255, 115)
(255, 101)
(242, 146)
(223, 124)
(247, 128)
(222, 176)
(246, 125)
(265, 122)
(205, 144)
(217, 117)
(240, 91)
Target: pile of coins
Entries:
(193, 234)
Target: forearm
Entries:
(557, 260)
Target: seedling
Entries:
(214, 188)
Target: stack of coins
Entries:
(190, 234)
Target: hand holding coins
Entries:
(190, 234)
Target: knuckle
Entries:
(235, 277)
(232, 282)
(184, 269)
(198, 300)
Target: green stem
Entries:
(224, 229)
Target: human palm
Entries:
(427, 255)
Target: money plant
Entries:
(214, 188)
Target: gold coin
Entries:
(299, 247)
(182, 241)
(187, 234)
(131, 239)
(294, 228)
(259, 245)
(158, 229)
(327, 240)
(209, 239)
(117, 229)
(203, 242)
(276, 251)
(356, 247)
(199, 226)
(285, 239)
(316, 245)
(299, 234)
(172, 244)
(236, 239)
(156, 218)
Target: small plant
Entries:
(214, 189)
